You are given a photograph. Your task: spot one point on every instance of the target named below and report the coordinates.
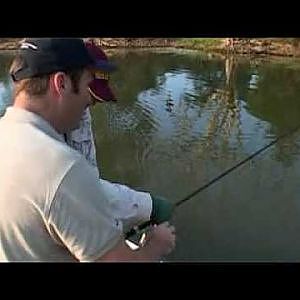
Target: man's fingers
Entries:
(172, 229)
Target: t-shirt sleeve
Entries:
(81, 214)
(131, 206)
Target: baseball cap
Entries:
(43, 56)
(99, 87)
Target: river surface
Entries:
(181, 119)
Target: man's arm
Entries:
(130, 206)
(84, 221)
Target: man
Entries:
(52, 205)
(131, 206)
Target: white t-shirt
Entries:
(52, 206)
(82, 140)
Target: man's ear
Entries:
(58, 83)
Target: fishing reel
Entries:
(137, 240)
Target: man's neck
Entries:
(40, 106)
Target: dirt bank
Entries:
(265, 46)
(12, 44)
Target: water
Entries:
(181, 119)
(5, 83)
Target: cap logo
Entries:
(101, 75)
(26, 45)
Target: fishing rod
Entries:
(139, 228)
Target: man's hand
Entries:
(160, 240)
(162, 210)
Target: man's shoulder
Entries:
(60, 151)
(39, 145)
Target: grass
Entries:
(200, 43)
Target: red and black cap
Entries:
(99, 87)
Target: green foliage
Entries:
(200, 43)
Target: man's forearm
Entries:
(131, 206)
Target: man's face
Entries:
(74, 103)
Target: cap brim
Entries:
(101, 91)
(104, 65)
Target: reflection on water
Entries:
(5, 84)
(5, 96)
(181, 119)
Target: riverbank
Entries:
(8, 44)
(266, 46)
(260, 47)
(12, 43)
